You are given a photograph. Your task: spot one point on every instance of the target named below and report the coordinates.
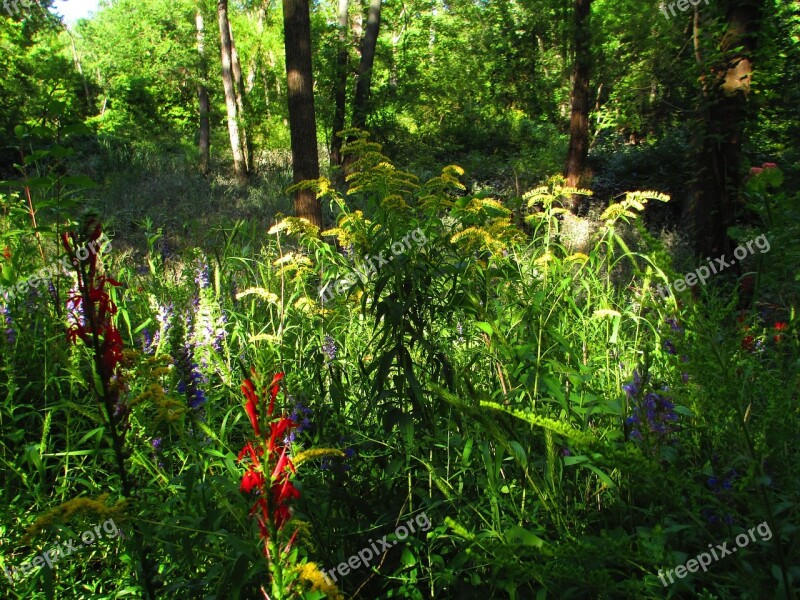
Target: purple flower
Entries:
(653, 413)
(11, 335)
(156, 444)
(300, 415)
(201, 275)
(147, 341)
(673, 323)
(670, 347)
(633, 388)
(329, 348)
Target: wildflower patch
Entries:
(60, 551)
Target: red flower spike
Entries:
(271, 457)
(273, 392)
(252, 479)
(277, 429)
(252, 452)
(280, 467)
(251, 406)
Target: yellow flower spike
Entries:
(577, 256)
(63, 513)
(311, 575)
(300, 458)
(260, 292)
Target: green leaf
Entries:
(524, 536)
(484, 327)
(79, 181)
(408, 558)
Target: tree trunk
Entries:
(239, 165)
(302, 119)
(241, 111)
(717, 201)
(368, 47)
(340, 92)
(579, 102)
(204, 144)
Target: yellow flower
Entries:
(310, 574)
(63, 513)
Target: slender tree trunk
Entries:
(340, 92)
(204, 144)
(77, 60)
(579, 101)
(368, 47)
(239, 164)
(725, 107)
(302, 119)
(241, 102)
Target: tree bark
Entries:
(239, 164)
(241, 110)
(726, 88)
(204, 143)
(579, 101)
(340, 92)
(302, 118)
(368, 47)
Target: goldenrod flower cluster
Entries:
(64, 512)
(310, 574)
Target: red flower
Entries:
(251, 406)
(7, 253)
(90, 311)
(779, 327)
(275, 491)
(278, 429)
(755, 170)
(251, 479)
(747, 342)
(252, 452)
(273, 392)
(770, 166)
(285, 492)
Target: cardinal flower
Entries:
(252, 479)
(269, 466)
